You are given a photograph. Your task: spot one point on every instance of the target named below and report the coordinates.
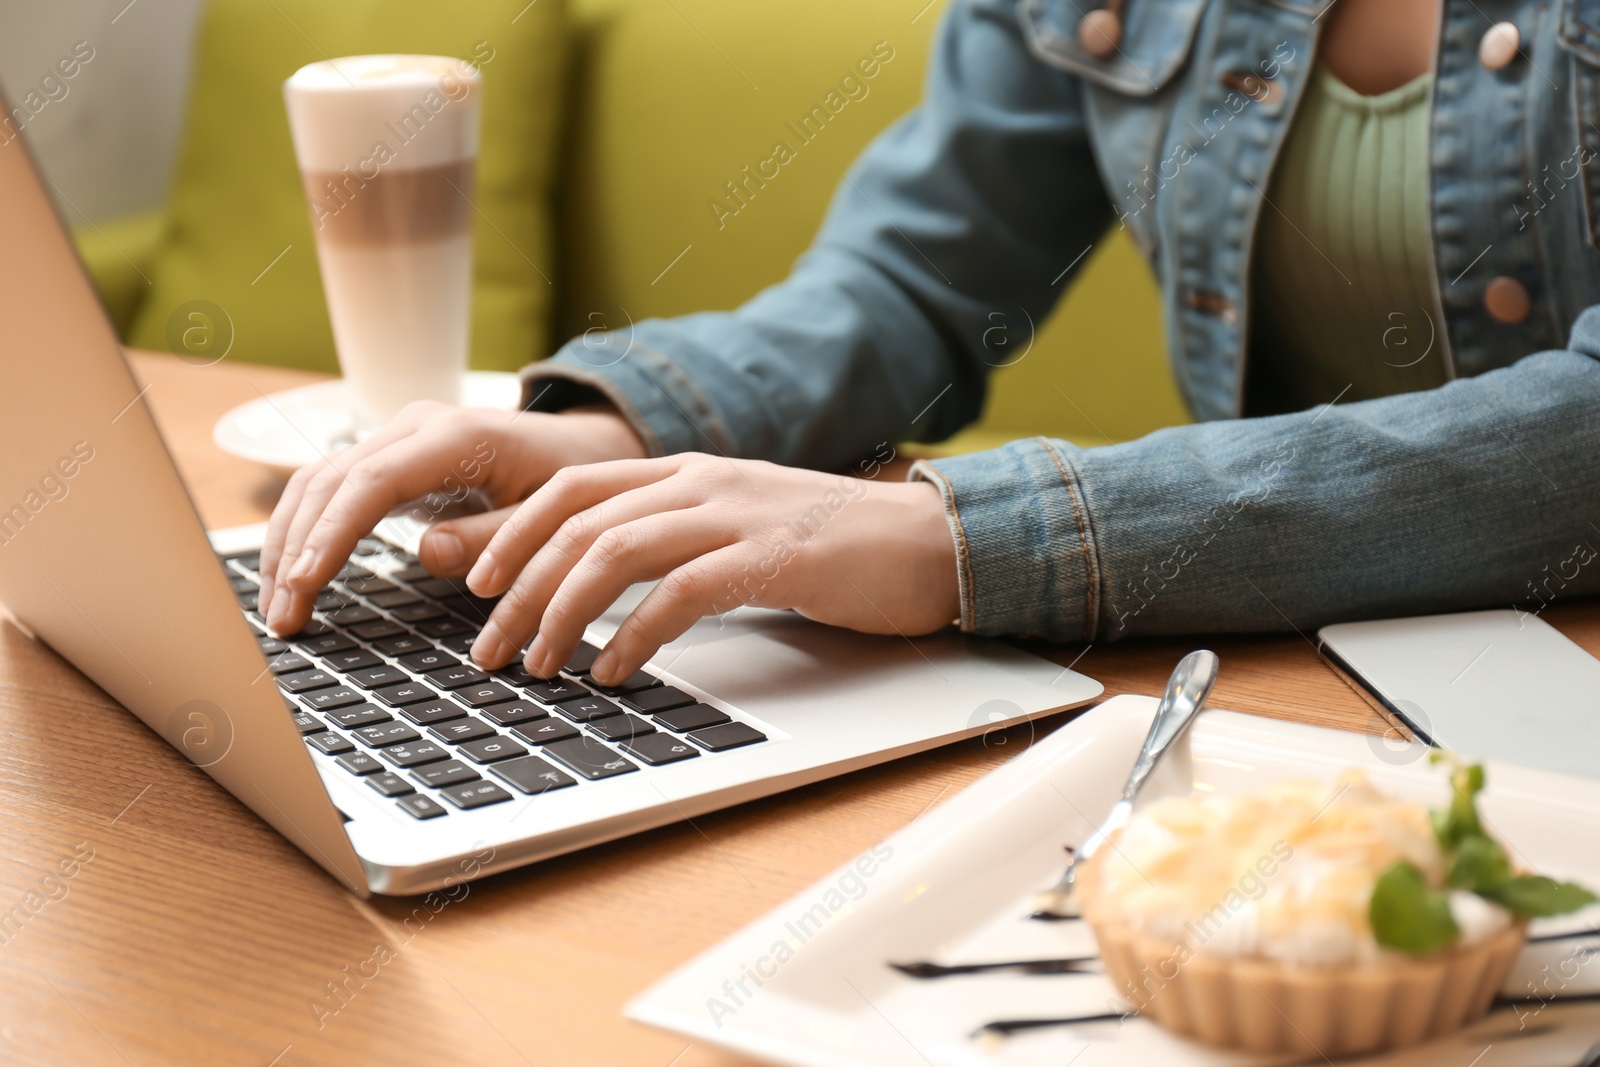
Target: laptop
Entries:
(369, 740)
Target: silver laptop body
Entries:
(104, 558)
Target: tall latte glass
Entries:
(387, 146)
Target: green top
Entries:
(1344, 298)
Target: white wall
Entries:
(108, 144)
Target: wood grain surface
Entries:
(187, 932)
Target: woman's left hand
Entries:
(717, 534)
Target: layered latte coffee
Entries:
(387, 147)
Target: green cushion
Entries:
(236, 202)
(670, 100)
(118, 254)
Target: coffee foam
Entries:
(388, 112)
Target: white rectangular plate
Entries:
(809, 985)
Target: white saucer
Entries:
(287, 430)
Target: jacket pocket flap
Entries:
(1156, 38)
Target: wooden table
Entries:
(196, 935)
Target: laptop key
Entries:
(428, 660)
(546, 731)
(351, 572)
(622, 727)
(421, 611)
(327, 699)
(390, 784)
(371, 631)
(532, 775)
(414, 754)
(461, 730)
(248, 560)
(352, 659)
(447, 626)
(693, 717)
(437, 588)
(661, 698)
(515, 673)
(401, 645)
(330, 743)
(271, 646)
(419, 806)
(398, 696)
(657, 749)
(288, 663)
(590, 758)
(322, 644)
(728, 735)
(632, 684)
(459, 643)
(394, 598)
(314, 628)
(305, 681)
(588, 709)
(248, 601)
(456, 677)
(474, 795)
(413, 571)
(369, 586)
(361, 715)
(308, 723)
(582, 659)
(556, 690)
(378, 677)
(481, 696)
(352, 614)
(492, 749)
(433, 711)
(358, 763)
(517, 711)
(331, 600)
(439, 775)
(384, 734)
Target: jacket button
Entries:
(1100, 31)
(1499, 46)
(1507, 301)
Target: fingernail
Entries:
(264, 597)
(535, 656)
(604, 664)
(303, 567)
(282, 606)
(483, 576)
(448, 551)
(491, 650)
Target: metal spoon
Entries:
(1186, 693)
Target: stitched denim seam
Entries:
(1090, 581)
(703, 408)
(952, 513)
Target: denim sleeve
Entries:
(972, 205)
(1482, 493)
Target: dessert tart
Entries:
(1316, 918)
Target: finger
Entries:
(711, 584)
(289, 614)
(277, 528)
(568, 492)
(638, 551)
(449, 549)
(522, 608)
(431, 460)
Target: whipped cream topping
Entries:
(1286, 873)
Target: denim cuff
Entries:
(1026, 557)
(667, 412)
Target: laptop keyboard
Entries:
(379, 685)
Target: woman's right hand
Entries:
(429, 447)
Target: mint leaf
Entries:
(1460, 819)
(1533, 896)
(1407, 915)
(1480, 865)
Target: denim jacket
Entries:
(1024, 152)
